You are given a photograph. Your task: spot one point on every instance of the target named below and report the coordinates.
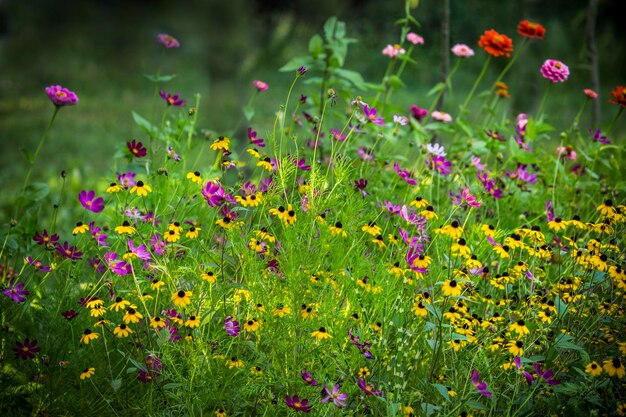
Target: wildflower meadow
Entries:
(359, 255)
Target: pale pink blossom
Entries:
(393, 51)
(462, 51)
(442, 116)
(414, 38)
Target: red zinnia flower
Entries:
(496, 44)
(530, 29)
(619, 95)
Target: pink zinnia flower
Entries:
(442, 116)
(168, 41)
(60, 96)
(555, 71)
(414, 38)
(260, 85)
(393, 51)
(590, 93)
(462, 51)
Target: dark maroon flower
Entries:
(90, 202)
(26, 349)
(417, 112)
(136, 149)
(298, 404)
(360, 185)
(16, 291)
(598, 137)
(38, 264)
(45, 239)
(69, 314)
(172, 100)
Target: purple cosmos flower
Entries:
(549, 211)
(302, 70)
(418, 112)
(401, 120)
(16, 291)
(168, 41)
(231, 326)
(172, 100)
(26, 349)
(90, 202)
(404, 174)
(370, 114)
(140, 251)
(260, 85)
(555, 70)
(252, 137)
(69, 252)
(157, 244)
(298, 404)
(337, 135)
(392, 208)
(522, 174)
(60, 96)
(38, 264)
(136, 149)
(171, 154)
(308, 378)
(476, 162)
(98, 235)
(301, 164)
(368, 388)
(465, 197)
(45, 239)
(495, 135)
(366, 154)
(439, 164)
(118, 267)
(597, 136)
(545, 375)
(153, 362)
(126, 179)
(363, 347)
(480, 386)
(213, 193)
(337, 397)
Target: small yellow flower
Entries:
(114, 188)
(364, 372)
(220, 413)
(337, 230)
(594, 369)
(429, 213)
(221, 143)
(252, 325)
(122, 330)
(280, 310)
(80, 228)
(321, 334)
(209, 276)
(614, 367)
(192, 233)
(171, 236)
(182, 298)
(87, 373)
(125, 228)
(156, 284)
(519, 327)
(265, 164)
(120, 304)
(88, 336)
(141, 189)
(419, 202)
(372, 228)
(516, 347)
(157, 322)
(256, 370)
(132, 316)
(195, 177)
(234, 363)
(451, 288)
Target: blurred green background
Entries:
(101, 49)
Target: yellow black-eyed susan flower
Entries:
(209, 276)
(182, 298)
(80, 228)
(594, 369)
(234, 363)
(519, 327)
(119, 304)
(125, 228)
(171, 236)
(252, 325)
(614, 367)
(114, 188)
(372, 228)
(516, 347)
(364, 372)
(132, 316)
(281, 310)
(256, 370)
(429, 213)
(419, 202)
(157, 322)
(337, 230)
(88, 336)
(193, 231)
(192, 322)
(220, 413)
(266, 164)
(195, 177)
(122, 330)
(221, 143)
(156, 284)
(321, 334)
(451, 288)
(142, 189)
(87, 373)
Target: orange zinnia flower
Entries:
(530, 29)
(496, 44)
(619, 95)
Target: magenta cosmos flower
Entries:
(172, 100)
(60, 96)
(555, 71)
(168, 41)
(480, 386)
(90, 202)
(16, 292)
(338, 398)
(406, 175)
(232, 326)
(136, 149)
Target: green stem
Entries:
(543, 100)
(506, 69)
(471, 93)
(32, 161)
(608, 132)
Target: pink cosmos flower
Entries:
(172, 100)
(404, 174)
(260, 85)
(566, 152)
(555, 71)
(370, 114)
(393, 51)
(60, 96)
(442, 116)
(168, 41)
(414, 38)
(465, 197)
(462, 51)
(590, 93)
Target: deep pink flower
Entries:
(480, 386)
(90, 202)
(465, 197)
(60, 96)
(404, 174)
(213, 193)
(172, 100)
(590, 93)
(337, 135)
(418, 112)
(308, 378)
(168, 41)
(260, 85)
(118, 267)
(252, 136)
(439, 164)
(370, 114)
(368, 388)
(555, 71)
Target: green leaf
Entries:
(396, 82)
(352, 77)
(296, 63)
(437, 88)
(407, 58)
(248, 112)
(316, 46)
(116, 384)
(160, 78)
(443, 390)
(37, 191)
(27, 155)
(329, 27)
(145, 125)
